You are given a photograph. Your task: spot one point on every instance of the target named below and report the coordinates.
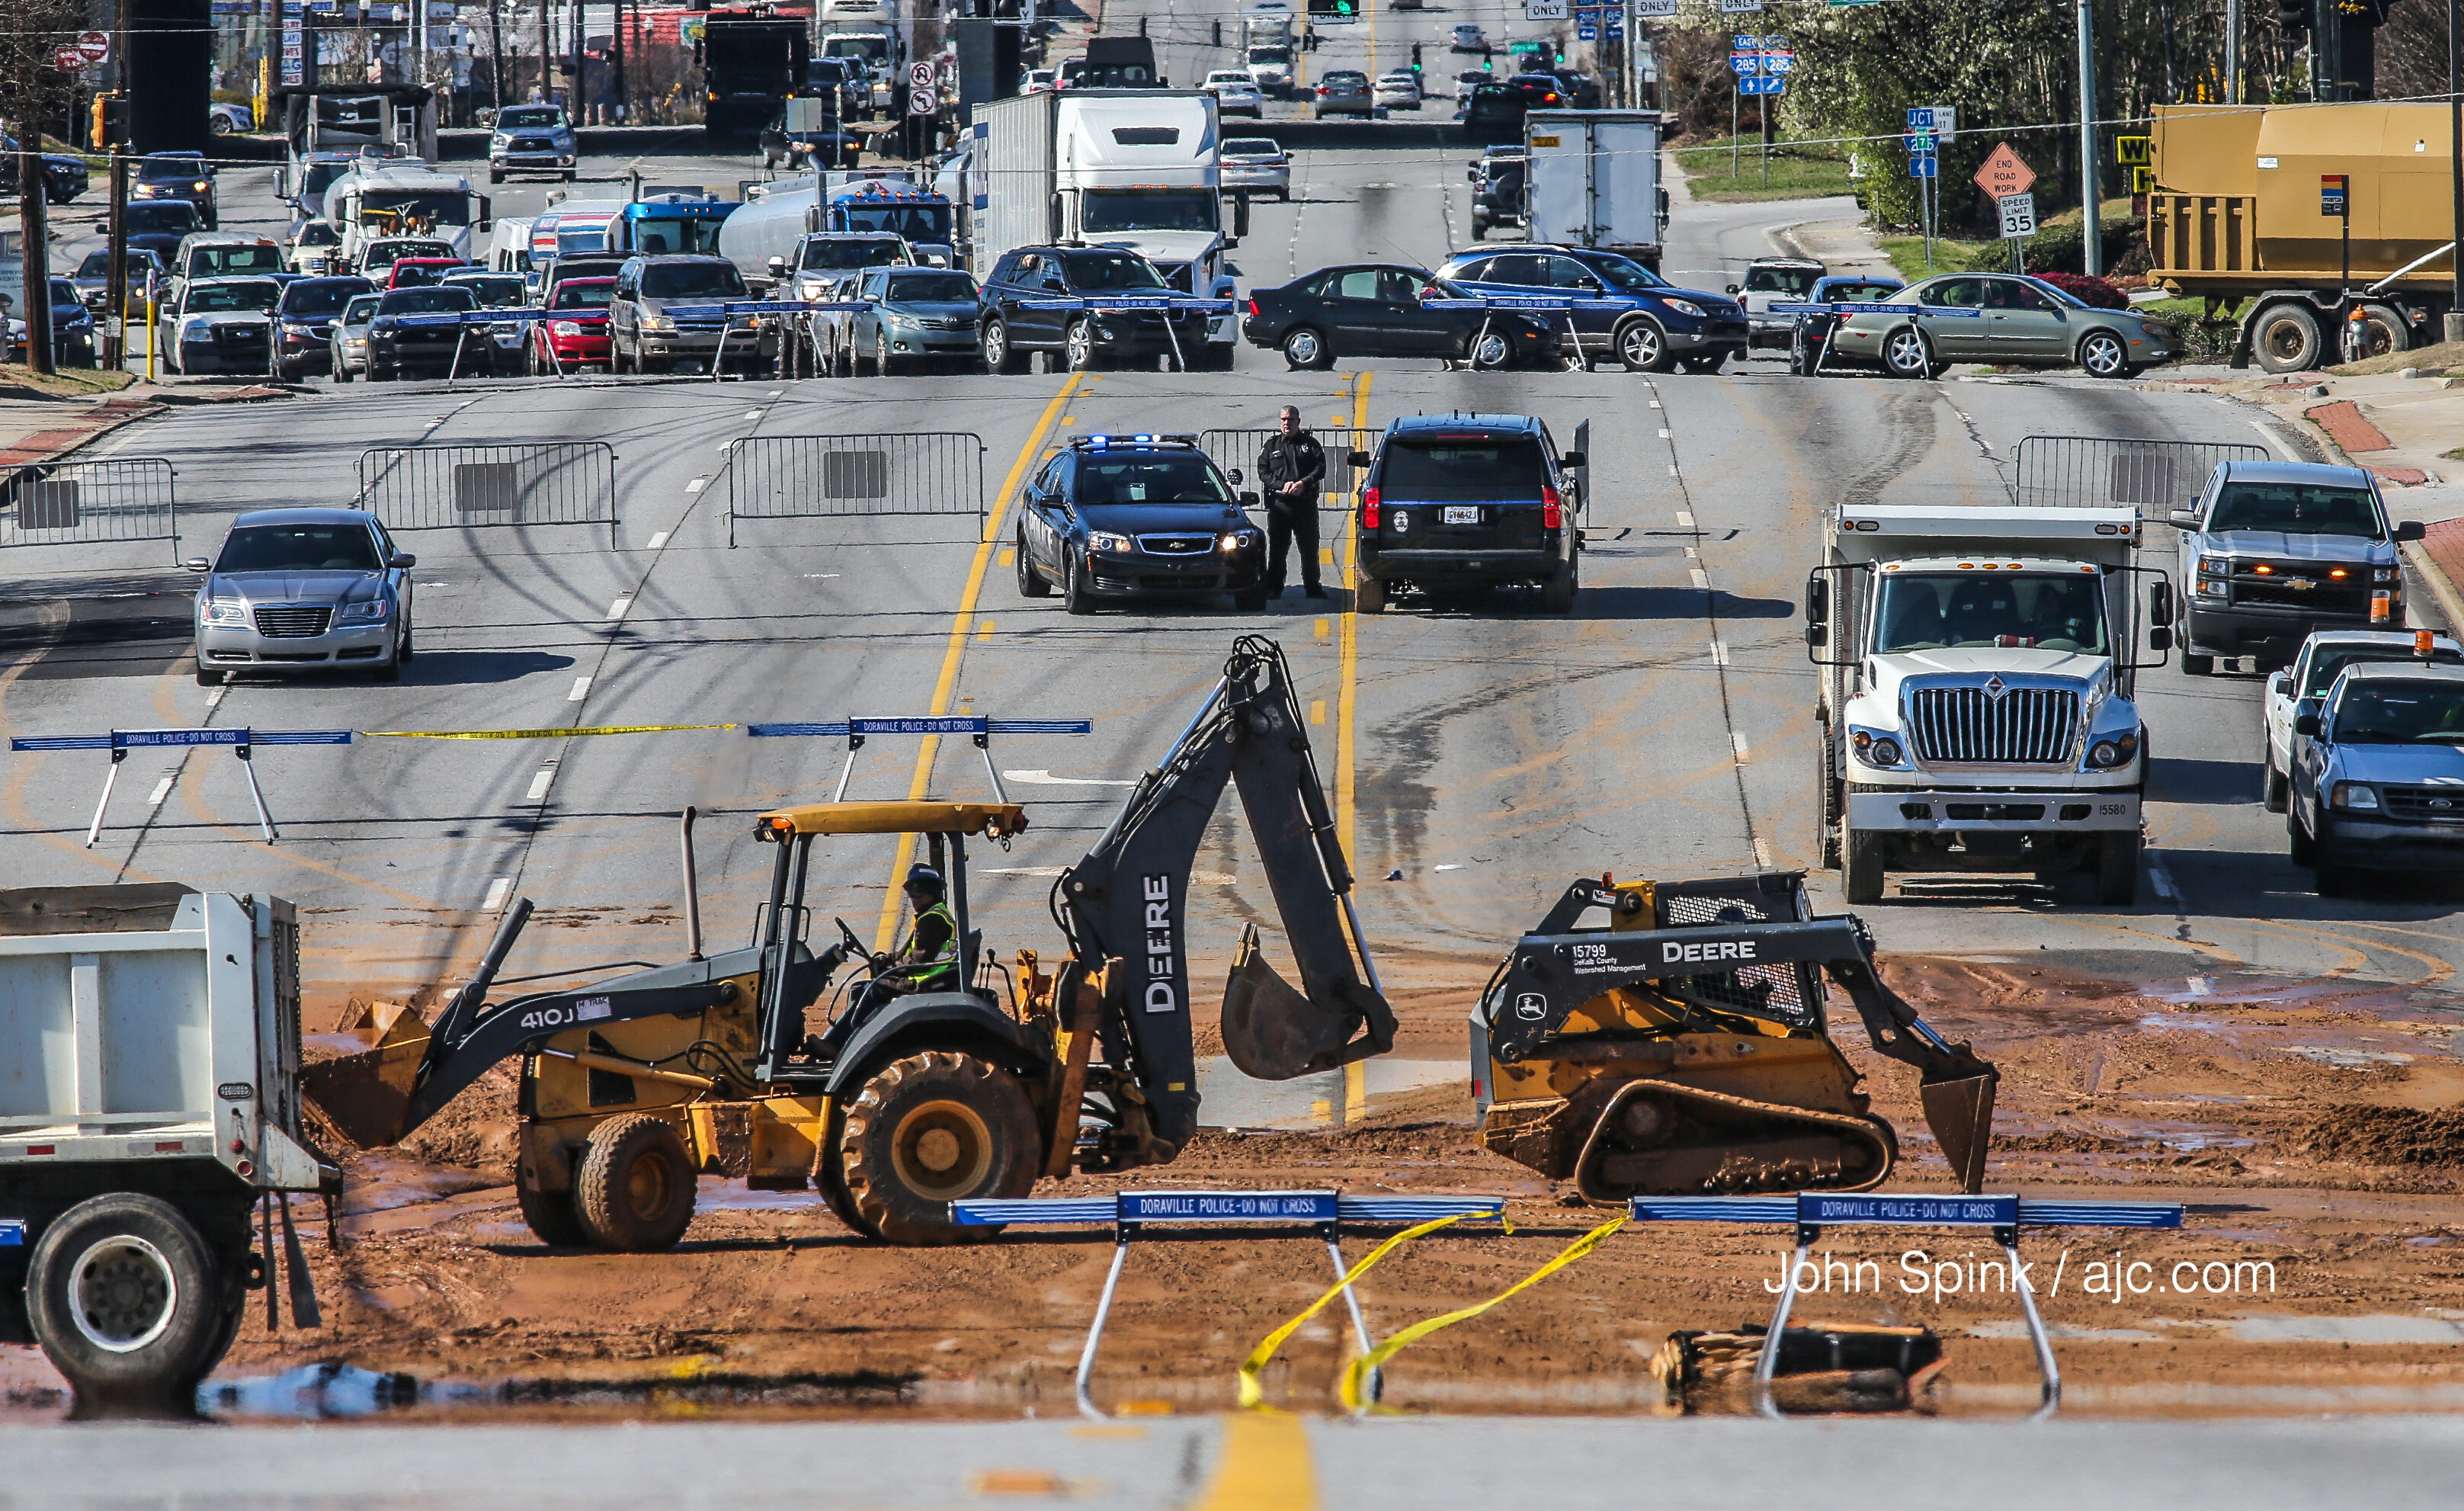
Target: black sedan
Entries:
(64, 177)
(73, 333)
(1374, 309)
(1138, 515)
(397, 344)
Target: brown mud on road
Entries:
(2311, 1128)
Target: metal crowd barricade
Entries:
(1323, 1214)
(1809, 1212)
(1341, 489)
(727, 312)
(1490, 303)
(904, 475)
(471, 487)
(89, 502)
(2099, 471)
(1139, 304)
(982, 728)
(242, 742)
(1840, 309)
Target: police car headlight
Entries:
(1685, 307)
(1106, 541)
(1235, 539)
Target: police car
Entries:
(1138, 515)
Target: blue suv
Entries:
(1633, 315)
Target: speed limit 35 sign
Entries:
(2018, 215)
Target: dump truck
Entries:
(632, 1084)
(149, 1105)
(1684, 1048)
(1975, 711)
(2242, 216)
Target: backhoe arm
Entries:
(1127, 901)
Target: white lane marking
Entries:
(162, 790)
(776, 392)
(1719, 654)
(1450, 868)
(658, 540)
(815, 577)
(1744, 755)
(698, 484)
(1041, 778)
(496, 892)
(1693, 555)
(2164, 880)
(541, 783)
(215, 699)
(581, 690)
(1701, 578)
(616, 609)
(1655, 404)
(1022, 870)
(2200, 985)
(753, 415)
(1672, 469)
(1663, 435)
(1762, 854)
(1684, 520)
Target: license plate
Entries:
(1466, 514)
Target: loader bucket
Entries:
(365, 1092)
(1273, 1033)
(1959, 1109)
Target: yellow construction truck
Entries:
(2327, 230)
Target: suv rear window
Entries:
(1449, 469)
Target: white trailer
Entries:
(1127, 168)
(149, 1099)
(1594, 181)
(1977, 712)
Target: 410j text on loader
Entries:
(634, 1084)
(1682, 1050)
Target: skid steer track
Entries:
(1697, 1143)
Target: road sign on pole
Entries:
(2004, 173)
(1927, 167)
(1544, 10)
(1920, 118)
(922, 102)
(2018, 215)
(1762, 85)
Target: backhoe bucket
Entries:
(365, 1093)
(1273, 1033)
(1959, 1109)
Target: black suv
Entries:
(1470, 502)
(1124, 516)
(400, 342)
(1084, 340)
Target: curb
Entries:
(51, 445)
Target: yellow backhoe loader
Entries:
(1684, 1050)
(634, 1084)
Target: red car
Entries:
(575, 332)
(419, 273)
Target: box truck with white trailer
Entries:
(1592, 180)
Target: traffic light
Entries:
(110, 122)
(2293, 16)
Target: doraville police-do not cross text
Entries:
(2107, 1274)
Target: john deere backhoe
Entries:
(634, 1084)
(1682, 1050)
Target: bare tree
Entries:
(34, 96)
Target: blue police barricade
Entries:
(855, 731)
(1566, 304)
(1809, 1212)
(1139, 304)
(243, 743)
(1130, 1213)
(1838, 309)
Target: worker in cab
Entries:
(928, 961)
(1291, 467)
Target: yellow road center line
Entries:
(1355, 1075)
(886, 935)
(1265, 1466)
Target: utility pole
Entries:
(497, 54)
(2456, 169)
(2233, 52)
(2091, 235)
(545, 93)
(35, 262)
(115, 287)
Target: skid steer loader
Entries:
(1684, 1050)
(636, 1084)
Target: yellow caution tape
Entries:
(529, 734)
(1250, 1393)
(1357, 1374)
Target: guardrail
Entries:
(927, 474)
(485, 487)
(2102, 471)
(90, 503)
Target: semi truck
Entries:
(382, 197)
(1592, 179)
(2241, 216)
(751, 60)
(1134, 168)
(149, 1104)
(1976, 709)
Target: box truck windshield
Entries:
(2026, 610)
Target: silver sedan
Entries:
(304, 590)
(1257, 165)
(2002, 317)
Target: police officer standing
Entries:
(1291, 468)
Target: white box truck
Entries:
(1126, 168)
(1594, 181)
(1977, 713)
(149, 1099)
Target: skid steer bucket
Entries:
(1958, 1101)
(1274, 1032)
(365, 1092)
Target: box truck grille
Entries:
(2024, 725)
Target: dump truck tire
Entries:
(633, 1187)
(1860, 878)
(127, 1300)
(550, 1214)
(930, 1130)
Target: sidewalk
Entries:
(35, 428)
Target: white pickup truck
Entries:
(150, 1100)
(2325, 654)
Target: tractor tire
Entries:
(932, 1129)
(127, 1299)
(633, 1186)
(550, 1215)
(830, 1174)
(1861, 876)
(2117, 870)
